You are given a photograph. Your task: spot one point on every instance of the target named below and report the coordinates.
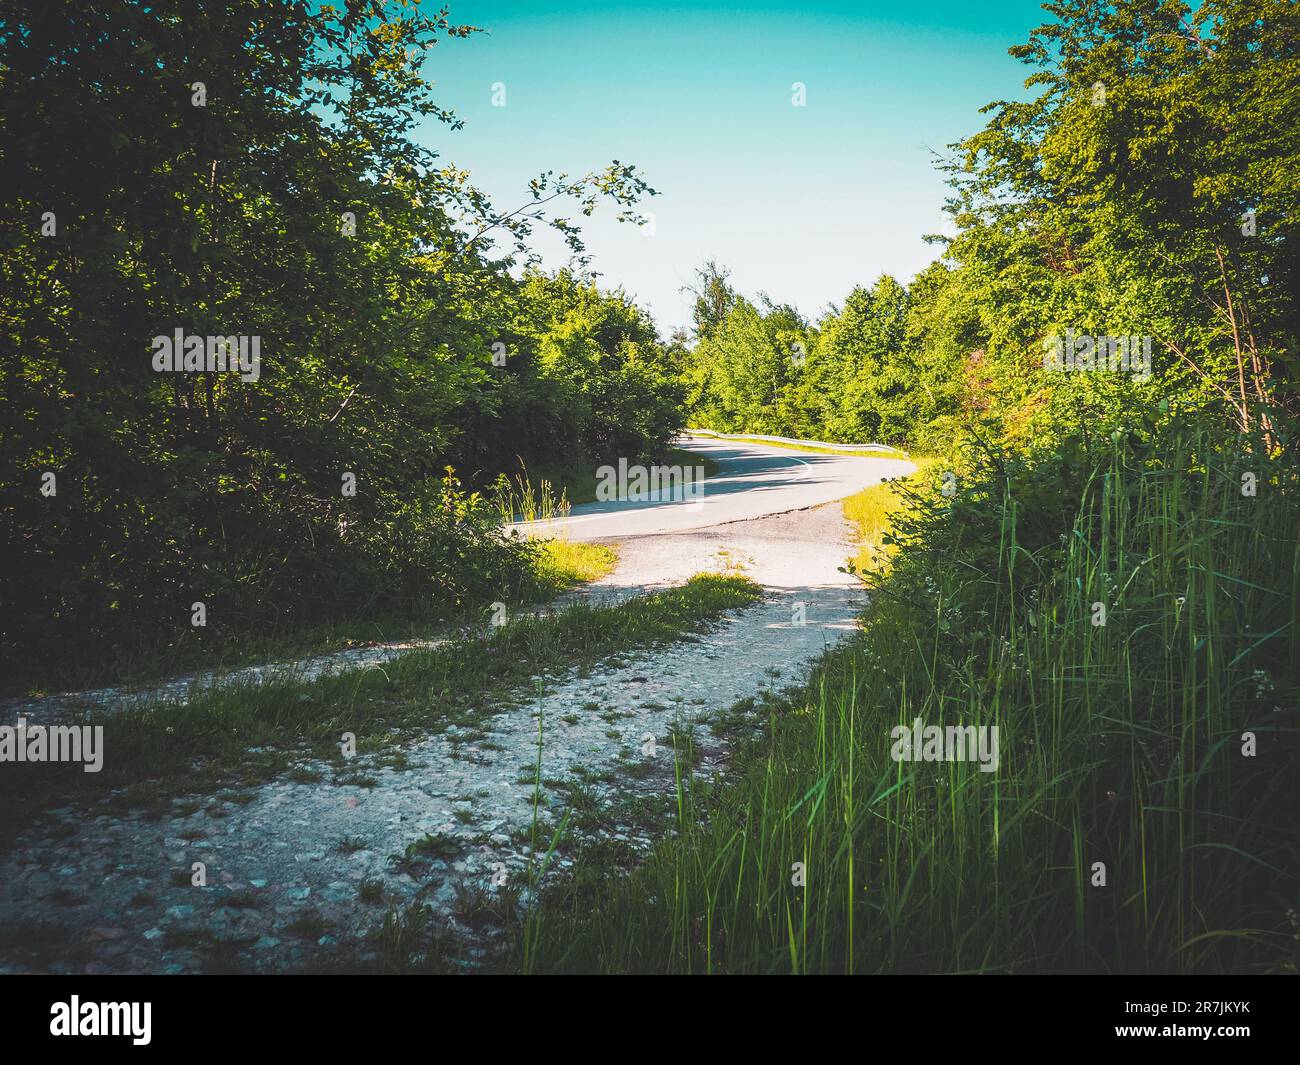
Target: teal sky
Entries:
(800, 202)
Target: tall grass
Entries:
(517, 498)
(1120, 744)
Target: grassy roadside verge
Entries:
(1126, 827)
(241, 735)
(568, 562)
(560, 565)
(872, 513)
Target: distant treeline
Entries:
(1149, 188)
(252, 172)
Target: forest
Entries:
(266, 351)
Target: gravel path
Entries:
(301, 874)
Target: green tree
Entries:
(250, 169)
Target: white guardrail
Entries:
(789, 440)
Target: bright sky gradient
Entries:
(800, 203)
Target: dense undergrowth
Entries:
(1162, 744)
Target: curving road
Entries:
(769, 512)
(753, 481)
(762, 513)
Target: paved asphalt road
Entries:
(753, 481)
